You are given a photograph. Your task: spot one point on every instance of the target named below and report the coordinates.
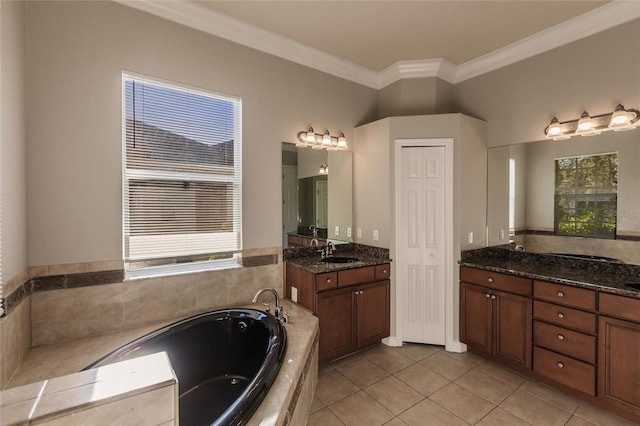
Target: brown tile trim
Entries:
(16, 297)
(300, 384)
(266, 259)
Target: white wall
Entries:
(76, 52)
(594, 74)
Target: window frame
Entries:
(170, 265)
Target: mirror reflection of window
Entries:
(586, 196)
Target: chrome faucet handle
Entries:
(278, 311)
(323, 253)
(285, 318)
(267, 308)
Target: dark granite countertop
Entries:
(594, 275)
(309, 259)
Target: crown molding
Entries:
(597, 20)
(204, 19)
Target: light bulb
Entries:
(326, 138)
(311, 135)
(342, 141)
(585, 124)
(554, 128)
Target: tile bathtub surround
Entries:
(15, 340)
(422, 385)
(140, 391)
(285, 400)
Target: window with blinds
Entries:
(182, 174)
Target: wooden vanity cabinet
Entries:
(564, 335)
(495, 316)
(351, 304)
(619, 352)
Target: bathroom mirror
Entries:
(316, 190)
(521, 190)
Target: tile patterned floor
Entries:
(422, 385)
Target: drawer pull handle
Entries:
(560, 294)
(560, 315)
(487, 295)
(493, 296)
(560, 337)
(490, 279)
(560, 365)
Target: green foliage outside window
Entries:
(586, 196)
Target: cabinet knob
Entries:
(487, 295)
(328, 280)
(560, 337)
(560, 294)
(490, 279)
(384, 271)
(560, 315)
(493, 296)
(560, 365)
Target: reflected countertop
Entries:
(594, 275)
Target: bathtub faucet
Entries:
(273, 291)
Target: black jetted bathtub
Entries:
(225, 362)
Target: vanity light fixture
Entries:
(586, 125)
(324, 169)
(321, 141)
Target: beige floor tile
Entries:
(534, 410)
(486, 386)
(324, 417)
(599, 417)
(395, 395)
(363, 372)
(316, 405)
(360, 409)
(333, 386)
(577, 421)
(389, 360)
(428, 413)
(445, 365)
(421, 379)
(502, 373)
(499, 417)
(395, 422)
(466, 358)
(464, 404)
(552, 396)
(417, 352)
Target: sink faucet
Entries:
(330, 248)
(314, 230)
(278, 309)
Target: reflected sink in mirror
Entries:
(340, 259)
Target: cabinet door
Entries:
(475, 317)
(512, 328)
(373, 313)
(618, 366)
(336, 310)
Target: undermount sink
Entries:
(635, 286)
(589, 257)
(340, 259)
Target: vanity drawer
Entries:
(562, 369)
(382, 272)
(326, 281)
(567, 317)
(565, 341)
(565, 295)
(349, 277)
(496, 280)
(619, 306)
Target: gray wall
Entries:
(593, 74)
(13, 149)
(415, 96)
(76, 52)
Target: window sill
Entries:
(184, 268)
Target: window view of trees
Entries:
(586, 196)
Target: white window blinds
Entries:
(182, 174)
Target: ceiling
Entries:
(376, 43)
(376, 34)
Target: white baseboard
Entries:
(456, 346)
(392, 341)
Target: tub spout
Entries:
(275, 295)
